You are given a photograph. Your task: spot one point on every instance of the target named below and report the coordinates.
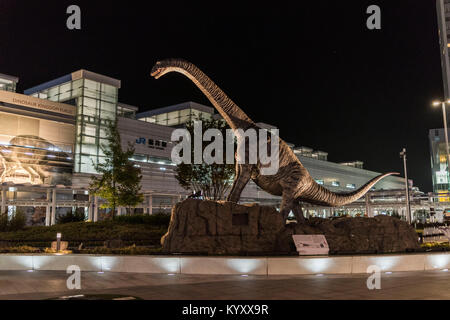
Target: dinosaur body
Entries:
(292, 181)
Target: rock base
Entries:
(210, 227)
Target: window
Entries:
(335, 183)
(351, 185)
(319, 181)
(150, 142)
(164, 144)
(157, 143)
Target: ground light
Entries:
(244, 275)
(100, 272)
(388, 272)
(319, 275)
(445, 270)
(31, 270)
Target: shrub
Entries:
(20, 249)
(131, 250)
(436, 245)
(83, 231)
(71, 216)
(18, 221)
(3, 221)
(158, 219)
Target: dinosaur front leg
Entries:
(241, 178)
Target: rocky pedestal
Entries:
(199, 226)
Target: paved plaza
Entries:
(400, 285)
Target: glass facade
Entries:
(178, 117)
(443, 17)
(8, 83)
(439, 169)
(96, 106)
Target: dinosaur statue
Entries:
(292, 181)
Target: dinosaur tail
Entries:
(319, 195)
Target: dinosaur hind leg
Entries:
(289, 204)
(242, 176)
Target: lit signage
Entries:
(441, 177)
(152, 143)
(36, 103)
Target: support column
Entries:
(369, 210)
(53, 215)
(47, 208)
(90, 208)
(95, 208)
(150, 204)
(146, 204)
(3, 208)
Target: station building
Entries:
(51, 137)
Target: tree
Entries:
(119, 183)
(212, 180)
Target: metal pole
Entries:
(446, 137)
(53, 214)
(408, 207)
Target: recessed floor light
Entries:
(319, 275)
(171, 274)
(388, 272)
(100, 272)
(445, 270)
(30, 270)
(244, 275)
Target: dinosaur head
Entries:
(161, 68)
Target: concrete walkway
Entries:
(400, 285)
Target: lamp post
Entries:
(408, 206)
(442, 103)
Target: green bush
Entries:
(4, 223)
(157, 219)
(131, 250)
(88, 231)
(72, 216)
(18, 221)
(20, 249)
(436, 245)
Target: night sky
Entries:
(313, 70)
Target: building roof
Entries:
(127, 106)
(8, 77)
(79, 74)
(176, 107)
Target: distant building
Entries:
(439, 170)
(443, 17)
(438, 153)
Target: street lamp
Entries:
(408, 206)
(442, 103)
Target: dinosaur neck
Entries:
(233, 115)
